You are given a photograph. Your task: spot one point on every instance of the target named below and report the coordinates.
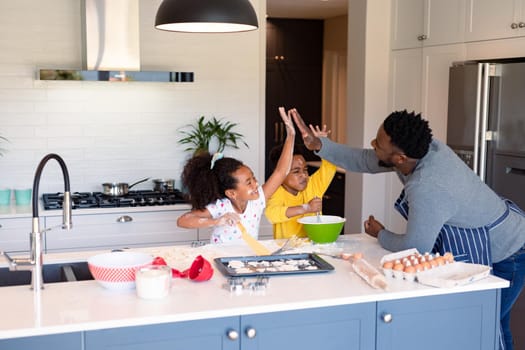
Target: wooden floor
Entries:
(517, 322)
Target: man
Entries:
(447, 207)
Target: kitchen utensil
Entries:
(200, 270)
(116, 189)
(164, 185)
(116, 270)
(326, 231)
(369, 273)
(287, 245)
(256, 246)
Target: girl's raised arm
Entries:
(285, 160)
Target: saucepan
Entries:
(117, 189)
(164, 185)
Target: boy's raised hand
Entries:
(311, 141)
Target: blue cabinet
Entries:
(452, 321)
(69, 341)
(215, 333)
(331, 328)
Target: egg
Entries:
(448, 257)
(398, 267)
(440, 260)
(357, 255)
(410, 269)
(419, 267)
(388, 265)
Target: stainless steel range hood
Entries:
(110, 35)
(111, 46)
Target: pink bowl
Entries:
(117, 270)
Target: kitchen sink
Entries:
(53, 273)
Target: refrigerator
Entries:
(486, 122)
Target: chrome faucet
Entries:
(35, 261)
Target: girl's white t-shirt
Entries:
(251, 218)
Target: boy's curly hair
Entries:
(206, 185)
(409, 132)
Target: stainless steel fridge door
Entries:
(462, 109)
(510, 136)
(508, 178)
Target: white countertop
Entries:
(77, 306)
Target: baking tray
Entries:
(272, 265)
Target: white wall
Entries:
(119, 131)
(368, 62)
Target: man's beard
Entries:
(385, 164)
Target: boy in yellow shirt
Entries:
(299, 195)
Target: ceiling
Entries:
(308, 9)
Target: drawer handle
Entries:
(387, 318)
(0, 225)
(251, 332)
(232, 334)
(125, 218)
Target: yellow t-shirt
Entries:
(285, 227)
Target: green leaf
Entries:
(199, 135)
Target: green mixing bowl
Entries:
(322, 229)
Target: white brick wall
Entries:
(118, 131)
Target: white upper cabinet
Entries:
(418, 23)
(491, 19)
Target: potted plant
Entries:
(200, 136)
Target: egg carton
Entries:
(390, 273)
(409, 276)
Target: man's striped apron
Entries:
(466, 244)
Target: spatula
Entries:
(254, 244)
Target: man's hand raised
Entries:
(311, 141)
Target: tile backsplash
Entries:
(117, 131)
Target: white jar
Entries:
(153, 282)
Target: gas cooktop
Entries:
(142, 198)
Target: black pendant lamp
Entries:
(206, 16)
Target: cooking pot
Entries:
(116, 189)
(164, 185)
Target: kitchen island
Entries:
(332, 310)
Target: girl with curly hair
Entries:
(224, 191)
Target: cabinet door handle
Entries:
(250, 332)
(515, 171)
(386, 317)
(125, 218)
(514, 25)
(0, 225)
(422, 37)
(276, 132)
(521, 25)
(232, 334)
